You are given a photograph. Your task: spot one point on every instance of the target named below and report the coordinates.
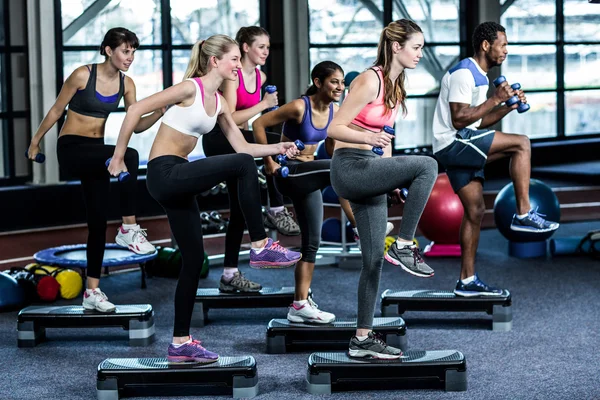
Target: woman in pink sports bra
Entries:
(364, 178)
(175, 182)
(243, 97)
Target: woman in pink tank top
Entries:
(243, 97)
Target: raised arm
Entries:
(362, 91)
(77, 80)
(130, 98)
(242, 116)
(460, 97)
(239, 144)
(501, 111)
(288, 112)
(174, 95)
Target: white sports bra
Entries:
(192, 120)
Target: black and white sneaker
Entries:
(239, 283)
(373, 347)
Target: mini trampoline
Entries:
(75, 256)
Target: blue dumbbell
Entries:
(271, 89)
(282, 172)
(523, 107)
(39, 157)
(386, 129)
(404, 194)
(391, 197)
(123, 176)
(282, 158)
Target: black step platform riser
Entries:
(207, 299)
(283, 336)
(397, 303)
(329, 372)
(33, 322)
(144, 380)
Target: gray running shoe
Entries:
(238, 283)
(373, 347)
(533, 223)
(409, 258)
(266, 220)
(284, 223)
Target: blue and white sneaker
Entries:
(476, 288)
(533, 222)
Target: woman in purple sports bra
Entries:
(92, 92)
(175, 182)
(306, 119)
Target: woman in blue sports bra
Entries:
(175, 182)
(92, 93)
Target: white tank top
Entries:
(192, 120)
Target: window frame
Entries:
(8, 115)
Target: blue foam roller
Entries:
(570, 245)
(527, 249)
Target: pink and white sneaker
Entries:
(134, 239)
(309, 313)
(97, 300)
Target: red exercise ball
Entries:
(443, 213)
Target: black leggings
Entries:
(84, 158)
(215, 143)
(174, 183)
(303, 185)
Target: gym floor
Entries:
(549, 354)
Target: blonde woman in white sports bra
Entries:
(175, 182)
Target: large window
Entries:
(352, 43)
(14, 101)
(554, 49)
(167, 30)
(554, 53)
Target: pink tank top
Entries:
(373, 116)
(244, 99)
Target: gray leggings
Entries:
(364, 179)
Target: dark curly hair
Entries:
(486, 31)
